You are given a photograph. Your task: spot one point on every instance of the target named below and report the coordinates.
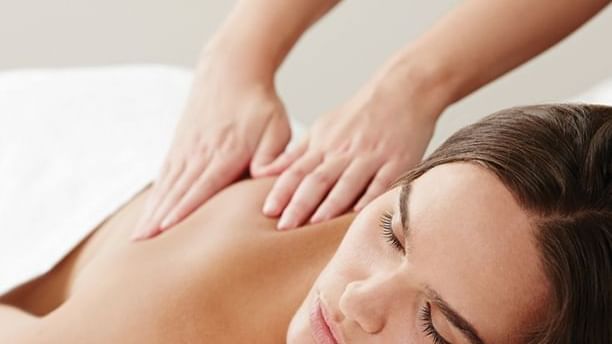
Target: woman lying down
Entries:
(503, 235)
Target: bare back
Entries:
(223, 275)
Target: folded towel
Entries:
(76, 145)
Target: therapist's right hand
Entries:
(233, 119)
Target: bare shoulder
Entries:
(221, 264)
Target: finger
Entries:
(272, 143)
(153, 196)
(170, 173)
(174, 193)
(288, 181)
(218, 174)
(311, 191)
(195, 168)
(283, 161)
(381, 182)
(166, 177)
(350, 185)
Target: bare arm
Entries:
(481, 40)
(262, 32)
(474, 44)
(233, 107)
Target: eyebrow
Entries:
(449, 313)
(403, 206)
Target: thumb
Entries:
(271, 144)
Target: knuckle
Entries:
(320, 177)
(197, 138)
(337, 156)
(200, 149)
(345, 147)
(297, 172)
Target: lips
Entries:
(322, 331)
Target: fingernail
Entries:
(361, 204)
(138, 236)
(167, 222)
(317, 217)
(257, 171)
(285, 223)
(270, 207)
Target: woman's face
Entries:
(465, 271)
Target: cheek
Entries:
(348, 264)
(362, 253)
(360, 250)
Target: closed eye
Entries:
(385, 223)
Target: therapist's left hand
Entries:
(350, 156)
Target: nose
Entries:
(369, 302)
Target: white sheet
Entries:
(75, 145)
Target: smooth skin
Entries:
(202, 282)
(234, 121)
(469, 243)
(225, 275)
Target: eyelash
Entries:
(425, 311)
(387, 231)
(427, 325)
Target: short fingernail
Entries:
(258, 170)
(318, 217)
(167, 222)
(285, 223)
(139, 235)
(269, 207)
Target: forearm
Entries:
(482, 39)
(261, 33)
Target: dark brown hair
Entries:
(556, 160)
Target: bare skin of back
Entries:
(223, 275)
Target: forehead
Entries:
(474, 244)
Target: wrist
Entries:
(425, 82)
(250, 55)
(219, 75)
(232, 61)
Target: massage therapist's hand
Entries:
(232, 117)
(351, 155)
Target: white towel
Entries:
(76, 145)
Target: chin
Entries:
(299, 331)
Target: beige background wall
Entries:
(328, 64)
